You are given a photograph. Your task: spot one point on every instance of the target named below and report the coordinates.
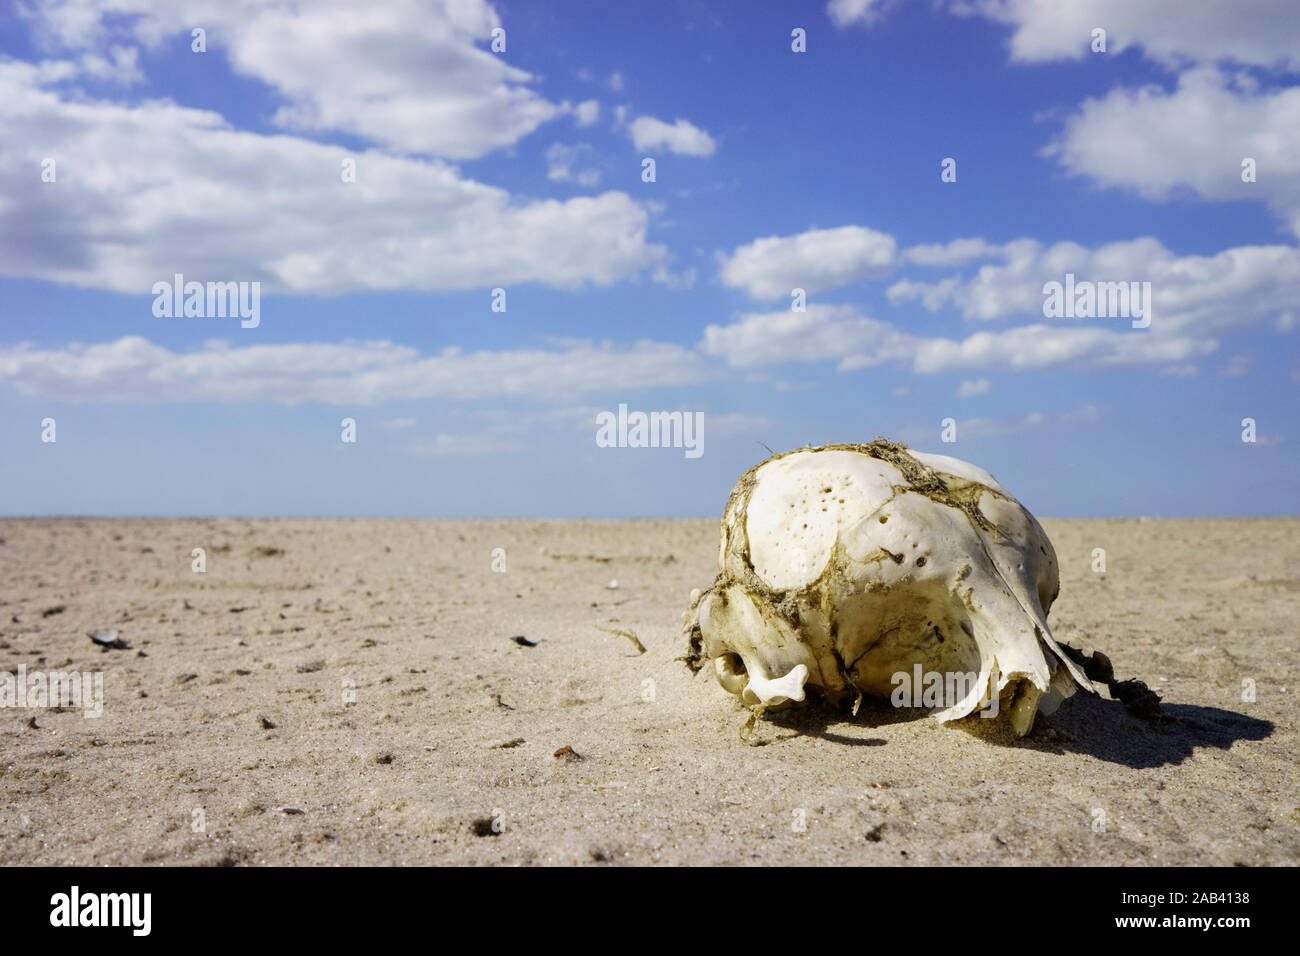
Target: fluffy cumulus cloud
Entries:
(587, 112)
(843, 13)
(1258, 32)
(955, 253)
(815, 260)
(1194, 300)
(1205, 295)
(822, 332)
(1194, 137)
(1262, 33)
(414, 75)
(221, 204)
(681, 137)
(132, 369)
(1155, 140)
(1054, 346)
(841, 333)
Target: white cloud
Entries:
(983, 428)
(1236, 366)
(680, 137)
(980, 386)
(560, 160)
(1085, 413)
(827, 332)
(221, 204)
(504, 431)
(1256, 32)
(132, 369)
(999, 427)
(1202, 295)
(955, 253)
(1053, 346)
(1154, 140)
(396, 424)
(822, 332)
(414, 75)
(932, 295)
(587, 112)
(1192, 138)
(842, 13)
(616, 81)
(120, 66)
(677, 281)
(815, 260)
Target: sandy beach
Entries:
(350, 692)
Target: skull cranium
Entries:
(849, 568)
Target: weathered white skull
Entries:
(845, 566)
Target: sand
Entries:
(348, 692)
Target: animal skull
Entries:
(845, 566)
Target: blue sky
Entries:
(522, 170)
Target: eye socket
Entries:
(731, 663)
(730, 668)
